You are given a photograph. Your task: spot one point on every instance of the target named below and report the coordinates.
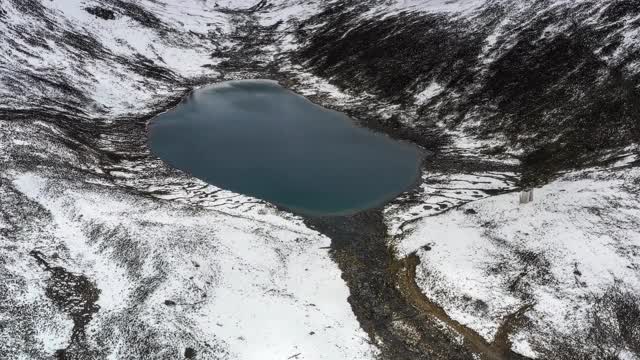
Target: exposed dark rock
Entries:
(86, 45)
(139, 14)
(620, 9)
(101, 12)
(189, 353)
(29, 7)
(75, 295)
(147, 68)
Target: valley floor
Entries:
(106, 253)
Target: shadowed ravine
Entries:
(387, 301)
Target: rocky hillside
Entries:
(555, 82)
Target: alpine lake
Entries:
(257, 138)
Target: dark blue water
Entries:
(259, 139)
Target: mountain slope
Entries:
(108, 253)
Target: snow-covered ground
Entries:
(251, 290)
(432, 6)
(180, 265)
(189, 267)
(577, 240)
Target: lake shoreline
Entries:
(226, 135)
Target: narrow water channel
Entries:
(257, 138)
